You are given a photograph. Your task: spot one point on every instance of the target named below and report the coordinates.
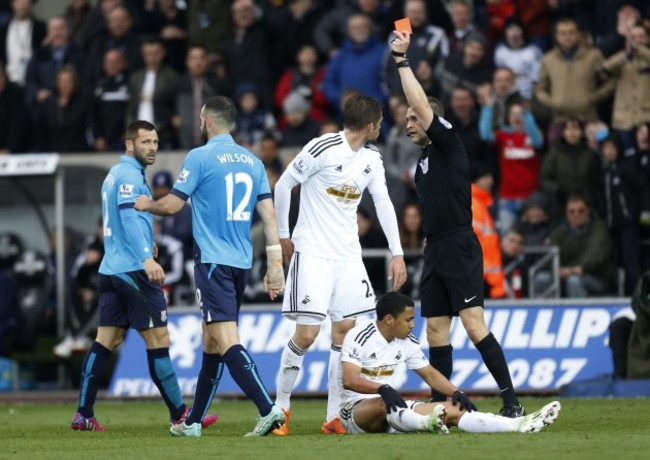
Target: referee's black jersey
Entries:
(442, 182)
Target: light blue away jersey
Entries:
(128, 234)
(225, 181)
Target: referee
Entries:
(452, 278)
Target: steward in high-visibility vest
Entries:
(487, 234)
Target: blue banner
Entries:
(546, 345)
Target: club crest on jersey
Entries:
(126, 190)
(183, 175)
(300, 166)
(424, 164)
(339, 168)
(368, 170)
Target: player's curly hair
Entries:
(393, 303)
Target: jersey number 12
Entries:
(240, 212)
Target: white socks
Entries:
(334, 383)
(290, 364)
(481, 422)
(408, 421)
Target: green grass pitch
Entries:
(587, 429)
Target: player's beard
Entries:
(143, 158)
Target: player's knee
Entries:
(305, 336)
(339, 331)
(304, 341)
(475, 325)
(210, 344)
(437, 334)
(476, 332)
(380, 406)
(163, 342)
(117, 341)
(337, 340)
(156, 338)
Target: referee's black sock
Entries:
(206, 386)
(496, 363)
(243, 371)
(440, 359)
(92, 370)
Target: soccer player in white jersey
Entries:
(326, 273)
(370, 404)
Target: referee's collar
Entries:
(131, 160)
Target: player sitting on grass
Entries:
(372, 352)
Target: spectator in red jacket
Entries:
(306, 79)
(519, 163)
(534, 15)
(498, 11)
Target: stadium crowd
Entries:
(550, 97)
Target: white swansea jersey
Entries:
(333, 178)
(364, 346)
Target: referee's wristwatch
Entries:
(404, 63)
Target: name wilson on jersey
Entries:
(234, 158)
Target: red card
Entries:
(403, 25)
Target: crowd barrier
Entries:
(547, 344)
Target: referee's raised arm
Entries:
(415, 95)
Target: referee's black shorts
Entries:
(452, 277)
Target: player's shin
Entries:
(440, 358)
(495, 361)
(480, 422)
(163, 375)
(206, 386)
(243, 371)
(334, 383)
(92, 370)
(407, 421)
(290, 365)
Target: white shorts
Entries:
(317, 286)
(346, 414)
